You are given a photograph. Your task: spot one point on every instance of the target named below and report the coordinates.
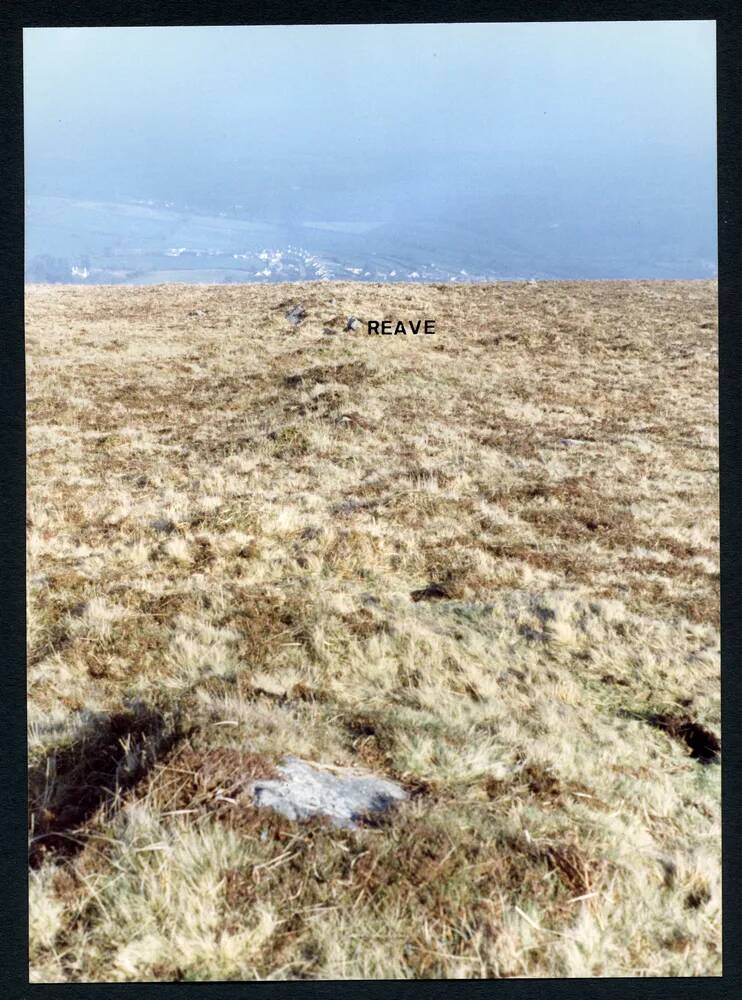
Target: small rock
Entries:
(348, 507)
(296, 314)
(162, 524)
(355, 419)
(353, 323)
(343, 796)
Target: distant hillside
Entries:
(147, 242)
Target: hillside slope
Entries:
(483, 563)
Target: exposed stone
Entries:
(348, 507)
(343, 796)
(162, 524)
(355, 419)
(353, 323)
(296, 314)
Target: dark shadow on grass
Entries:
(69, 785)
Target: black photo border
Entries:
(13, 846)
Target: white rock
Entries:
(343, 796)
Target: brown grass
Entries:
(483, 563)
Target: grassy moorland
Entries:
(483, 563)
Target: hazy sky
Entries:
(374, 121)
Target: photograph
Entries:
(372, 501)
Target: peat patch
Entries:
(704, 745)
(433, 592)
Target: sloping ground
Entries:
(483, 564)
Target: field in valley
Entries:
(482, 563)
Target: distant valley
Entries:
(151, 242)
